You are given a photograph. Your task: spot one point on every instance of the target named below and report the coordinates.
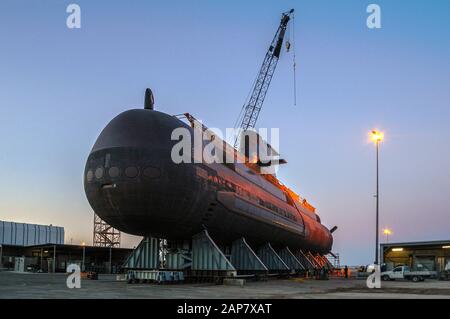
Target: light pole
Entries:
(54, 258)
(377, 137)
(387, 232)
(110, 259)
(84, 253)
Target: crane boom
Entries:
(261, 86)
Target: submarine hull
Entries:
(133, 184)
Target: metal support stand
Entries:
(206, 256)
(324, 261)
(244, 258)
(290, 260)
(145, 256)
(316, 259)
(146, 263)
(271, 259)
(304, 260)
(312, 260)
(178, 256)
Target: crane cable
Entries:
(288, 45)
(294, 59)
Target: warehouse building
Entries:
(20, 234)
(40, 258)
(427, 255)
(40, 248)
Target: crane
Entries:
(261, 86)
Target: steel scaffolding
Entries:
(104, 234)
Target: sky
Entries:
(59, 87)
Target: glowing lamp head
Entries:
(83, 244)
(376, 136)
(387, 231)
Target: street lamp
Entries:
(387, 232)
(377, 137)
(83, 244)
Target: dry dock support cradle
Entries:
(201, 259)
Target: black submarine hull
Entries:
(132, 183)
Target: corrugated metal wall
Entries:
(20, 234)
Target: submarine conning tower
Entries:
(149, 100)
(206, 218)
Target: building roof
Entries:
(418, 243)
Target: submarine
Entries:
(132, 183)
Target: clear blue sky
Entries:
(60, 87)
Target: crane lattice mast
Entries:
(261, 86)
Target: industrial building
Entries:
(20, 234)
(35, 248)
(39, 258)
(427, 255)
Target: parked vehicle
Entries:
(403, 272)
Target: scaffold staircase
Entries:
(333, 259)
